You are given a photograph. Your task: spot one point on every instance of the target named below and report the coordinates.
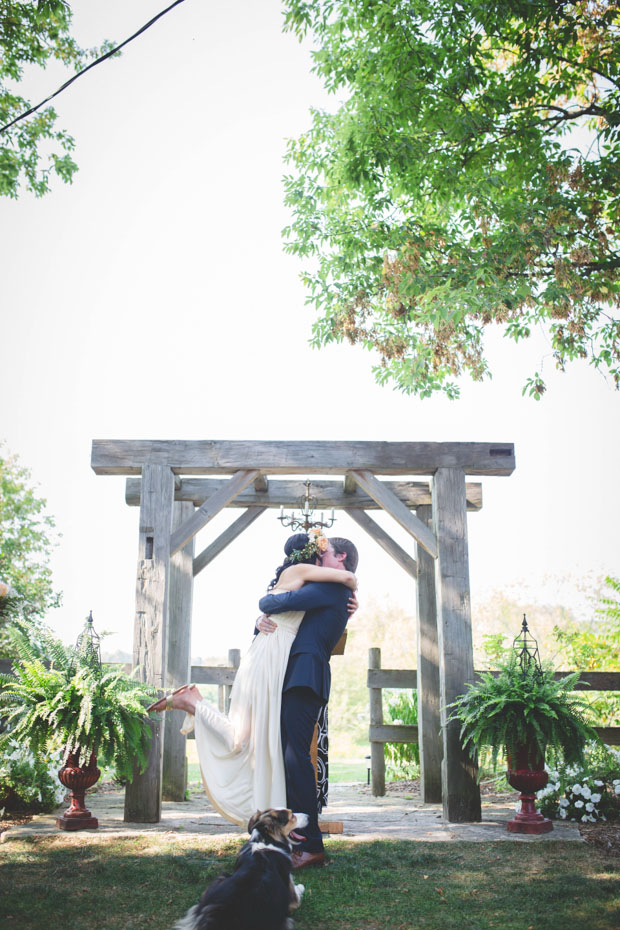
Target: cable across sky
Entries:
(98, 61)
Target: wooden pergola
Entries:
(239, 474)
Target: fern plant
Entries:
(75, 705)
(525, 707)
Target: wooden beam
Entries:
(377, 755)
(143, 794)
(174, 774)
(393, 733)
(384, 540)
(328, 494)
(429, 718)
(212, 675)
(261, 484)
(211, 507)
(213, 457)
(350, 484)
(396, 509)
(392, 678)
(224, 539)
(609, 735)
(460, 788)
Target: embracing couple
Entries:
(258, 755)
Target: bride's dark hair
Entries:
(297, 541)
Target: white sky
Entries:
(152, 299)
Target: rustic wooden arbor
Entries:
(174, 508)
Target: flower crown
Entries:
(316, 545)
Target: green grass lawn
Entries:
(88, 882)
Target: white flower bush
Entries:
(585, 793)
(29, 782)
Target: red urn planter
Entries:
(78, 778)
(527, 774)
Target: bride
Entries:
(240, 753)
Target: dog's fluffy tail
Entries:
(198, 918)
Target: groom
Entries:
(307, 683)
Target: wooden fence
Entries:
(380, 733)
(221, 675)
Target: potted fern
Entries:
(60, 697)
(525, 711)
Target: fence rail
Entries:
(408, 678)
(380, 733)
(221, 675)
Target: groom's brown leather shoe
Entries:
(301, 860)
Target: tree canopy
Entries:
(26, 542)
(469, 176)
(32, 34)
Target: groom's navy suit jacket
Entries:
(325, 604)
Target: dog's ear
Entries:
(253, 821)
(283, 817)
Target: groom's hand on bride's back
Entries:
(265, 624)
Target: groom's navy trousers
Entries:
(306, 688)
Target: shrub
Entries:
(29, 782)
(403, 759)
(586, 792)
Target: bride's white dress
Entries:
(240, 753)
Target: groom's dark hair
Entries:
(341, 545)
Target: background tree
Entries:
(26, 541)
(470, 176)
(33, 34)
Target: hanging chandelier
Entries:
(305, 521)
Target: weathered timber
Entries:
(377, 755)
(396, 509)
(595, 681)
(460, 789)
(350, 485)
(211, 507)
(429, 718)
(392, 678)
(379, 678)
(217, 457)
(589, 681)
(393, 733)
(143, 795)
(212, 675)
(609, 735)
(224, 691)
(224, 539)
(261, 484)
(282, 493)
(384, 540)
(174, 774)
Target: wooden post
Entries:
(429, 721)
(174, 778)
(143, 795)
(234, 658)
(460, 790)
(377, 754)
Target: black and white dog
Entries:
(260, 892)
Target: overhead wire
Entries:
(98, 61)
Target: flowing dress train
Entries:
(240, 753)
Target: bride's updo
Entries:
(294, 544)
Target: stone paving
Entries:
(396, 816)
